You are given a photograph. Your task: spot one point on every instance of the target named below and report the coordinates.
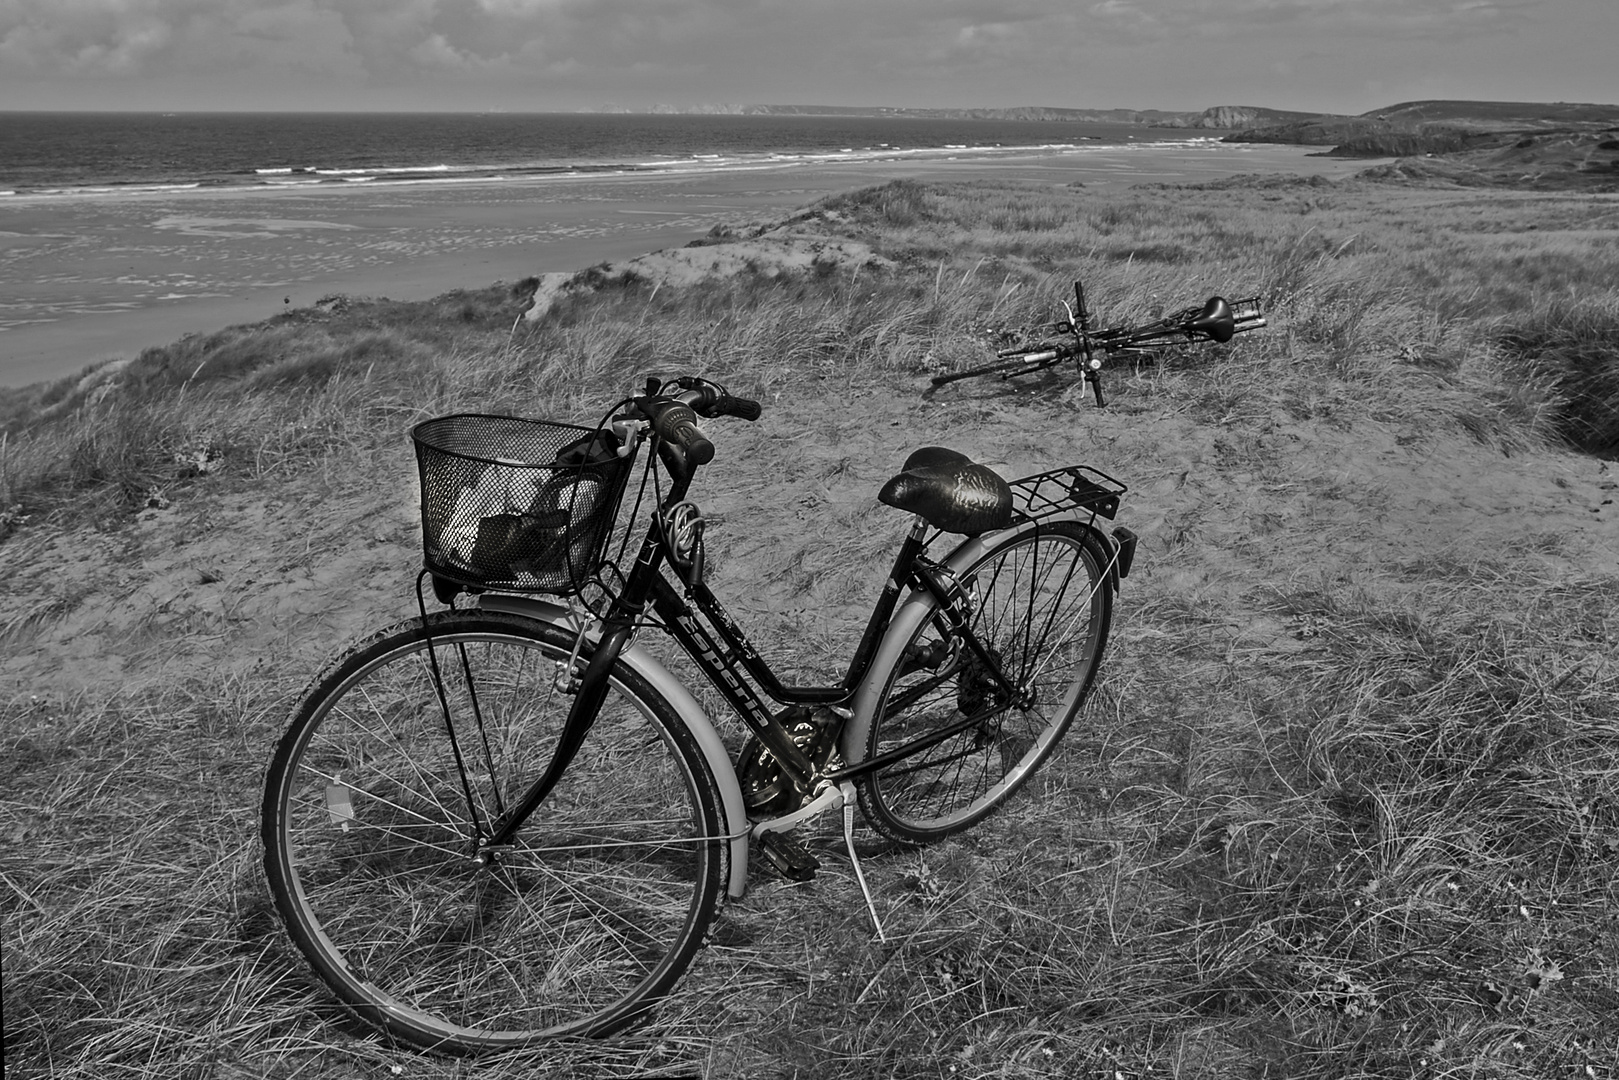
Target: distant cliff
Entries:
(1409, 129)
(1355, 136)
(1022, 112)
(1415, 128)
(1222, 117)
(1235, 117)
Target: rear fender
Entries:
(853, 742)
(686, 706)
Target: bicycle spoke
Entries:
(423, 820)
(1036, 611)
(589, 914)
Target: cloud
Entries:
(564, 53)
(438, 52)
(118, 39)
(525, 8)
(123, 37)
(1218, 18)
(1124, 11)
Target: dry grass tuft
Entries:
(1571, 348)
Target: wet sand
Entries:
(84, 280)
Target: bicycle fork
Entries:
(589, 693)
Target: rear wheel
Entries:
(1040, 604)
(374, 806)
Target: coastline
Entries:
(96, 278)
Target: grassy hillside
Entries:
(1445, 122)
(1522, 145)
(1511, 114)
(1346, 803)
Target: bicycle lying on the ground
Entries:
(1217, 320)
(507, 821)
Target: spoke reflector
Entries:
(339, 805)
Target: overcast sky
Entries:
(1345, 56)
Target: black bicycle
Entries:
(1217, 320)
(505, 821)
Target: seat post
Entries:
(900, 577)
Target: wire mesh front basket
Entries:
(517, 505)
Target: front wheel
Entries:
(1040, 604)
(382, 788)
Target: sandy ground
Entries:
(290, 572)
(89, 279)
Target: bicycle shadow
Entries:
(1038, 387)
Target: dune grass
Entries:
(1568, 346)
(1380, 839)
(1366, 283)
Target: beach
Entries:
(91, 278)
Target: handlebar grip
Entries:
(677, 425)
(740, 407)
(710, 399)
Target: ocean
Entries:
(66, 154)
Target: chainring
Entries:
(766, 790)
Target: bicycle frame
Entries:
(705, 631)
(724, 653)
(634, 654)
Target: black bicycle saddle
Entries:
(1215, 320)
(952, 492)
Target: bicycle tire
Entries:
(578, 929)
(1041, 601)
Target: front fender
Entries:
(685, 705)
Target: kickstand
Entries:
(854, 860)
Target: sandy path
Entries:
(290, 572)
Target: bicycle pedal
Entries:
(788, 856)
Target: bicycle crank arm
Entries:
(832, 797)
(840, 796)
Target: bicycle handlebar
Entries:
(1218, 320)
(709, 400)
(673, 409)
